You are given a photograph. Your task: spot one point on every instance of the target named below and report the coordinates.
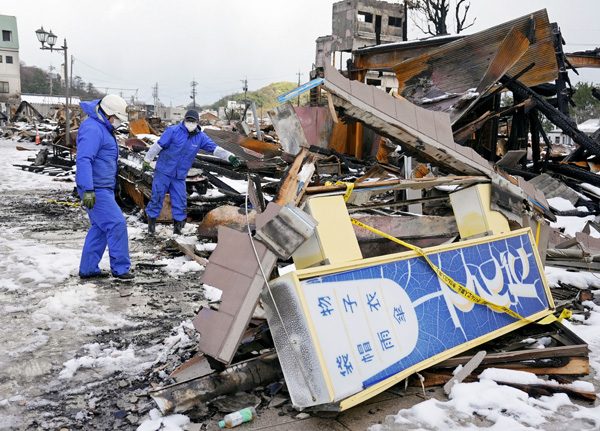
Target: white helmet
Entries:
(112, 104)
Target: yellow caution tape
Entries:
(565, 314)
(552, 318)
(349, 188)
(457, 287)
(63, 202)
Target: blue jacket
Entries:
(97, 151)
(179, 150)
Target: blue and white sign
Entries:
(374, 322)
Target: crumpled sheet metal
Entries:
(421, 131)
(297, 352)
(456, 67)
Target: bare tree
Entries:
(431, 15)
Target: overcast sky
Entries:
(128, 46)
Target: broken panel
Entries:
(289, 129)
(345, 333)
(428, 134)
(441, 76)
(234, 269)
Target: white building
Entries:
(557, 137)
(47, 105)
(10, 70)
(563, 143)
(172, 114)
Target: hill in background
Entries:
(37, 81)
(265, 98)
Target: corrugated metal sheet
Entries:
(228, 145)
(582, 60)
(458, 66)
(427, 133)
(388, 55)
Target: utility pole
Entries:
(245, 82)
(72, 60)
(193, 96)
(299, 75)
(155, 95)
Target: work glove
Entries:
(145, 166)
(89, 199)
(235, 161)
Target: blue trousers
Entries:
(108, 228)
(161, 185)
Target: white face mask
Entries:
(190, 125)
(116, 123)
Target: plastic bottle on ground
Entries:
(234, 419)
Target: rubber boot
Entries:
(151, 225)
(177, 226)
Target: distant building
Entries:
(171, 114)
(208, 117)
(362, 23)
(48, 105)
(10, 70)
(563, 143)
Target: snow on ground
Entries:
(15, 178)
(43, 303)
(34, 269)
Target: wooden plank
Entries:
(439, 377)
(464, 372)
(522, 355)
(295, 182)
(188, 250)
(402, 184)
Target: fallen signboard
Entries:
(349, 331)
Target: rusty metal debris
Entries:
(404, 160)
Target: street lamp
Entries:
(50, 38)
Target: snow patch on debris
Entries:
(561, 204)
(170, 423)
(571, 225)
(497, 407)
(591, 188)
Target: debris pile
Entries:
(376, 217)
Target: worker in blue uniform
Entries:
(176, 150)
(96, 178)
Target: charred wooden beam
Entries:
(575, 173)
(556, 117)
(214, 167)
(462, 134)
(535, 140)
(562, 92)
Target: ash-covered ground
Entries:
(80, 354)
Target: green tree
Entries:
(34, 80)
(586, 105)
(37, 81)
